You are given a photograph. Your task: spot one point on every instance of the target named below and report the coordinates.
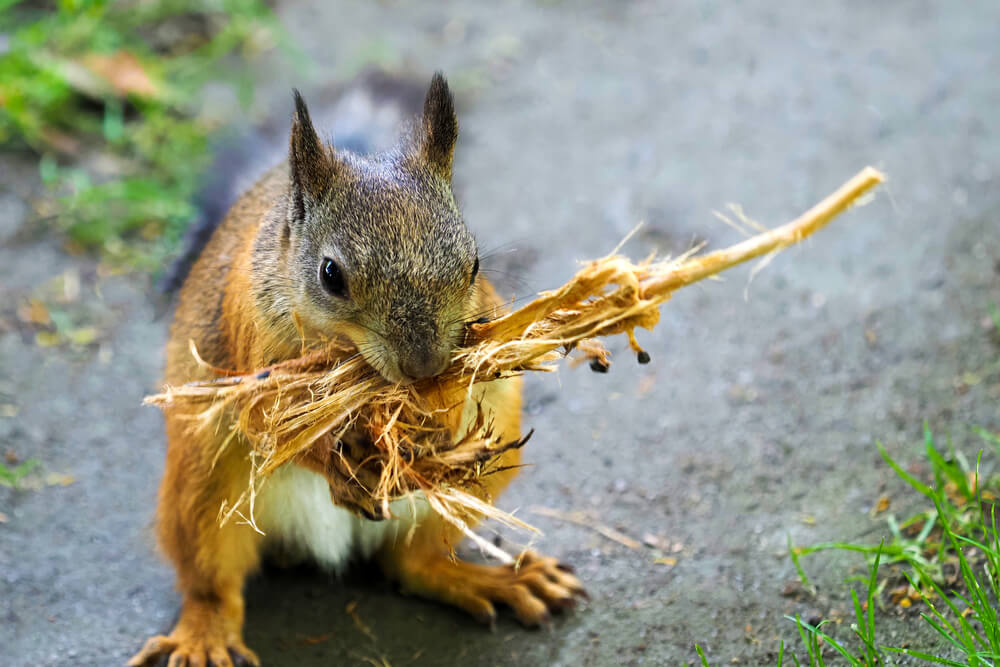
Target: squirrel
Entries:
(332, 243)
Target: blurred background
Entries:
(685, 492)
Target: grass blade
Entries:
(907, 477)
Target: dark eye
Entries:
(332, 278)
(475, 270)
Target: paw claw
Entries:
(240, 660)
(185, 650)
(534, 588)
(568, 602)
(488, 618)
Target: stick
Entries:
(581, 520)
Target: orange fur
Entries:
(232, 329)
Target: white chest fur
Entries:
(295, 512)
(297, 516)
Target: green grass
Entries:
(961, 531)
(106, 96)
(958, 531)
(12, 476)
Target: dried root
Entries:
(312, 409)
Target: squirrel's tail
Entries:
(362, 116)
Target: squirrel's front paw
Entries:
(193, 652)
(533, 588)
(200, 639)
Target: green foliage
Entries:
(920, 541)
(961, 530)
(12, 476)
(118, 83)
(814, 638)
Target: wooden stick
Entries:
(581, 519)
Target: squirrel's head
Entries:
(375, 246)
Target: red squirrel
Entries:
(372, 248)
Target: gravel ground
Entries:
(758, 416)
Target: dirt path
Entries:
(755, 420)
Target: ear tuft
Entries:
(310, 162)
(440, 126)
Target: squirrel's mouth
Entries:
(387, 367)
(385, 364)
(395, 376)
(404, 366)
(392, 371)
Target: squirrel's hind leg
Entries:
(534, 587)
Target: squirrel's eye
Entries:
(332, 278)
(475, 271)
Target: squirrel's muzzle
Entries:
(423, 364)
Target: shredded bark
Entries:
(311, 409)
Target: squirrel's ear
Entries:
(440, 126)
(311, 163)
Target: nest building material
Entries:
(309, 410)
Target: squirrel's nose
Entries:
(424, 366)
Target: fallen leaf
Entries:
(3, 518)
(124, 72)
(34, 312)
(8, 410)
(83, 335)
(971, 379)
(881, 505)
(899, 593)
(666, 560)
(59, 479)
(48, 339)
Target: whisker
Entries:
(502, 248)
(506, 277)
(472, 316)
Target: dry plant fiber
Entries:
(306, 409)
